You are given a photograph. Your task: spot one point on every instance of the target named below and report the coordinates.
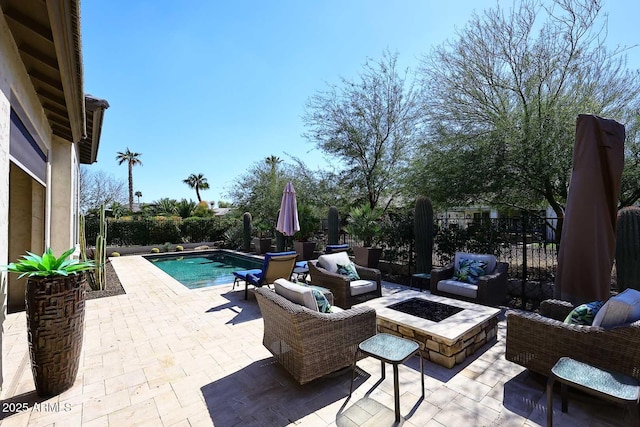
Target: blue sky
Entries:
(204, 86)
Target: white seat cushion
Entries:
(330, 261)
(298, 294)
(489, 259)
(619, 310)
(458, 288)
(359, 287)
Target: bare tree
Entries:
(98, 187)
(369, 124)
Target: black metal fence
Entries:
(526, 242)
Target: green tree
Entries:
(185, 208)
(369, 124)
(198, 182)
(131, 159)
(166, 207)
(259, 190)
(502, 99)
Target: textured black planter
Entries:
(304, 250)
(367, 256)
(55, 325)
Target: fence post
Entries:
(525, 218)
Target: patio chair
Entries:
(537, 341)
(346, 291)
(307, 343)
(241, 275)
(330, 249)
(462, 279)
(277, 265)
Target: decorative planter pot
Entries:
(262, 245)
(367, 256)
(304, 250)
(55, 325)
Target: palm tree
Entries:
(131, 159)
(273, 162)
(199, 182)
(138, 194)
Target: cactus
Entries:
(98, 280)
(246, 231)
(423, 230)
(628, 248)
(333, 226)
(280, 241)
(82, 238)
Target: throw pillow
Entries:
(584, 313)
(622, 309)
(470, 270)
(323, 303)
(349, 270)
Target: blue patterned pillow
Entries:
(584, 314)
(470, 270)
(348, 270)
(323, 303)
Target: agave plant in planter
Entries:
(364, 225)
(54, 298)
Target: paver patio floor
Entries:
(163, 355)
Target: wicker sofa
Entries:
(537, 341)
(309, 344)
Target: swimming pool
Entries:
(199, 270)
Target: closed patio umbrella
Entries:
(288, 217)
(587, 244)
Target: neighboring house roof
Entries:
(47, 34)
(221, 211)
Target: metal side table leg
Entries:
(396, 391)
(550, 382)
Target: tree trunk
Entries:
(130, 187)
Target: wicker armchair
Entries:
(491, 288)
(340, 285)
(310, 344)
(537, 341)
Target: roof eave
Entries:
(64, 18)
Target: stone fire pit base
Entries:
(448, 342)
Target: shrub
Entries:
(115, 254)
(179, 248)
(155, 251)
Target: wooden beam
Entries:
(55, 98)
(43, 78)
(39, 56)
(29, 24)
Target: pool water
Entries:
(204, 269)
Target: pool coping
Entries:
(143, 266)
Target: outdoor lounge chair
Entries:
(277, 265)
(537, 341)
(346, 292)
(490, 287)
(310, 344)
(241, 275)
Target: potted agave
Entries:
(55, 296)
(364, 225)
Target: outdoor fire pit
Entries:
(447, 330)
(426, 309)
